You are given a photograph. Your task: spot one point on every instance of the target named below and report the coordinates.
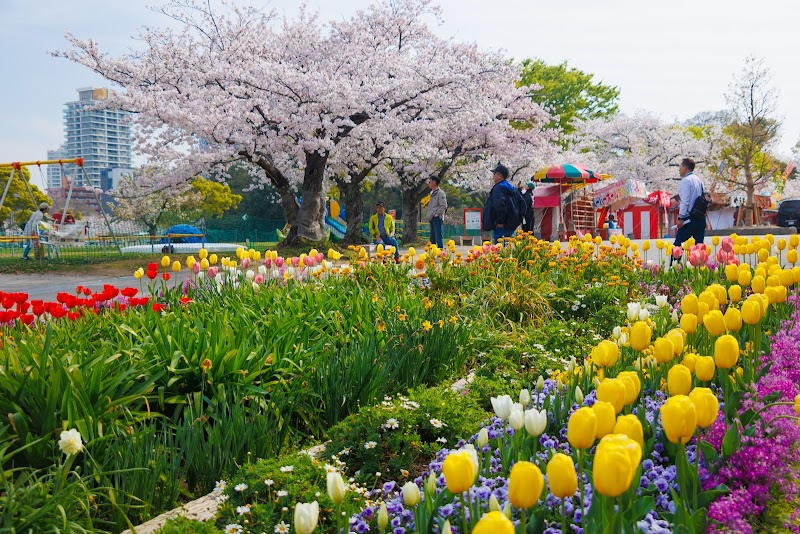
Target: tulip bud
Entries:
(306, 516)
(517, 419)
(165, 261)
(539, 384)
(507, 510)
(446, 528)
(616, 332)
(578, 395)
(430, 485)
(571, 366)
(535, 422)
(494, 504)
(483, 438)
(336, 487)
(674, 316)
(411, 495)
(524, 397)
(383, 517)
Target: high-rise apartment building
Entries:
(54, 171)
(102, 137)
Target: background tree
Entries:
(753, 130)
(18, 205)
(568, 94)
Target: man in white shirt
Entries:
(691, 189)
(32, 227)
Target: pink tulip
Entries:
(246, 263)
(727, 244)
(319, 257)
(295, 261)
(259, 279)
(196, 267)
(212, 271)
(279, 262)
(677, 252)
(309, 261)
(486, 248)
(268, 262)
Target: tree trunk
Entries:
(411, 198)
(310, 223)
(353, 204)
(281, 184)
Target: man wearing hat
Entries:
(381, 228)
(32, 227)
(527, 195)
(499, 212)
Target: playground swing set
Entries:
(66, 230)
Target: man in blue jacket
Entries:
(498, 212)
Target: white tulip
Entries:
(383, 517)
(571, 366)
(201, 276)
(623, 340)
(411, 494)
(430, 485)
(502, 406)
(596, 382)
(516, 419)
(661, 300)
(262, 270)
(256, 287)
(250, 274)
(643, 314)
(525, 397)
(633, 310)
(483, 438)
(675, 319)
(578, 395)
(305, 517)
(535, 422)
(336, 487)
(617, 332)
(540, 384)
(275, 273)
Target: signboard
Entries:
(617, 191)
(473, 218)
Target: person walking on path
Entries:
(381, 228)
(32, 228)
(436, 208)
(691, 223)
(499, 212)
(527, 195)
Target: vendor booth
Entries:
(546, 211)
(615, 198)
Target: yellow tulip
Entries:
(690, 361)
(745, 277)
(138, 273)
(702, 310)
(689, 304)
(791, 256)
(631, 427)
(715, 240)
(797, 404)
(190, 261)
(689, 243)
(679, 418)
(704, 368)
(726, 351)
(606, 417)
(706, 406)
(176, 266)
(561, 476)
(786, 277)
(663, 350)
(494, 523)
(659, 244)
(735, 293)
(459, 472)
(714, 323)
(794, 240)
(763, 254)
(689, 322)
(630, 388)
(772, 294)
(719, 292)
(709, 297)
(731, 272)
(612, 390)
(203, 254)
(751, 312)
(605, 354)
(679, 380)
(212, 259)
(773, 281)
(677, 338)
(640, 336)
(582, 428)
(525, 484)
(165, 261)
(612, 470)
(646, 245)
(204, 264)
(733, 319)
(634, 376)
(758, 284)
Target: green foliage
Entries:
(568, 93)
(18, 201)
(403, 433)
(215, 198)
(181, 525)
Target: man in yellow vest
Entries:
(381, 228)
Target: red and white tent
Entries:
(546, 211)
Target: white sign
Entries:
(472, 220)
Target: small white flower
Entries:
(370, 445)
(241, 510)
(220, 486)
(233, 528)
(281, 528)
(391, 424)
(282, 493)
(287, 469)
(345, 452)
(269, 482)
(330, 469)
(221, 498)
(240, 487)
(70, 442)
(436, 423)
(441, 440)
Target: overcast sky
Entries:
(675, 58)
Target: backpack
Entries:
(517, 207)
(700, 207)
